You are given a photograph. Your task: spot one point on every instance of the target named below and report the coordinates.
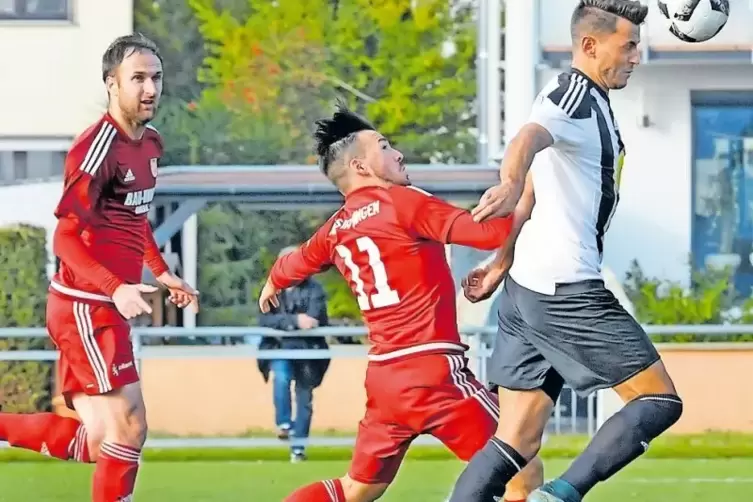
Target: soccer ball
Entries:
(695, 20)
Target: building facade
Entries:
(53, 88)
(687, 121)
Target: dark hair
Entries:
(602, 14)
(123, 47)
(334, 135)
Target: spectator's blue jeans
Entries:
(282, 371)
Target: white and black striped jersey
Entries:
(575, 183)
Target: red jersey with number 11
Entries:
(389, 245)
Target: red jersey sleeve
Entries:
(152, 255)
(310, 258)
(434, 219)
(87, 173)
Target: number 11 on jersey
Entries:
(384, 296)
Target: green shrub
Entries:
(24, 385)
(710, 299)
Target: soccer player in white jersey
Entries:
(558, 322)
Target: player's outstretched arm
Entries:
(502, 199)
(437, 220)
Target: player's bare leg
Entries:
(525, 482)
(92, 423)
(652, 407)
(123, 417)
(517, 440)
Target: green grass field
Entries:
(668, 473)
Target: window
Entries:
(46, 10)
(20, 165)
(723, 183)
(23, 165)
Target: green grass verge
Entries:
(712, 445)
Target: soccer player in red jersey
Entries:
(388, 241)
(103, 240)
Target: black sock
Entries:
(622, 439)
(487, 473)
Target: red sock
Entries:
(329, 490)
(46, 433)
(115, 474)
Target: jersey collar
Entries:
(121, 133)
(592, 84)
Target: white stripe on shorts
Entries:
(82, 314)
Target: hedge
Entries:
(24, 385)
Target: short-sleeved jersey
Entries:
(109, 184)
(576, 184)
(389, 245)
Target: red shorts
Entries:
(94, 340)
(433, 394)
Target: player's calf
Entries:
(47, 433)
(124, 418)
(653, 406)
(622, 439)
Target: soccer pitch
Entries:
(420, 480)
(649, 480)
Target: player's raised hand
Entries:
(128, 300)
(480, 283)
(181, 293)
(499, 200)
(268, 297)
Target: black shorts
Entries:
(581, 333)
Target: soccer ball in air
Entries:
(695, 20)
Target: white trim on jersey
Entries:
(97, 151)
(77, 293)
(574, 95)
(416, 349)
(419, 190)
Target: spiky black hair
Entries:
(335, 134)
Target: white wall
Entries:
(52, 80)
(33, 204)
(653, 221)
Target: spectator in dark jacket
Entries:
(301, 307)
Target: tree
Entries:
(284, 62)
(267, 71)
(416, 59)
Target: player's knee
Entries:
(655, 413)
(136, 427)
(361, 492)
(126, 420)
(527, 442)
(95, 434)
